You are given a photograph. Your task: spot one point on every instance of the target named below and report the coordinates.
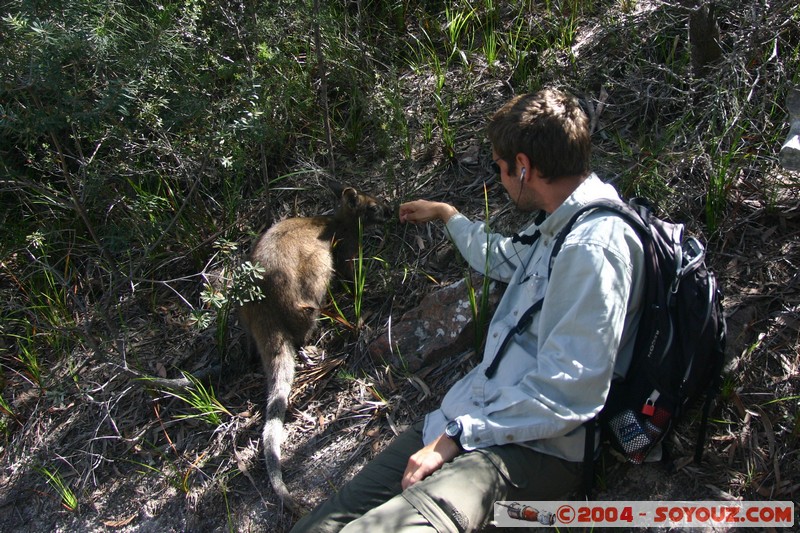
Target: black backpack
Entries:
(679, 350)
(680, 342)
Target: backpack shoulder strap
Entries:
(634, 214)
(630, 214)
(522, 323)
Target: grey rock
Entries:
(442, 325)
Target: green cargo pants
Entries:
(459, 496)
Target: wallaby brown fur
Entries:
(300, 256)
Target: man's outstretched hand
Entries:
(420, 211)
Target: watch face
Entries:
(452, 429)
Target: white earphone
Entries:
(522, 175)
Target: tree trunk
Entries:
(703, 38)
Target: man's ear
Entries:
(523, 161)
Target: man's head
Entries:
(549, 127)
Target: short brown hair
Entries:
(549, 127)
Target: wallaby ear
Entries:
(336, 188)
(350, 197)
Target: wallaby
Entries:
(299, 256)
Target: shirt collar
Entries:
(591, 189)
(530, 234)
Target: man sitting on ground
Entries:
(511, 429)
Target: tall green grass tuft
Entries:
(359, 277)
(27, 355)
(458, 28)
(7, 419)
(203, 401)
(356, 289)
(69, 500)
(480, 307)
(728, 155)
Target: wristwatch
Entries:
(453, 431)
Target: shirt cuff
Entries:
(457, 223)
(474, 433)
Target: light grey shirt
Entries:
(556, 374)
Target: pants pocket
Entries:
(533, 474)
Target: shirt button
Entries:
(477, 439)
(495, 335)
(510, 438)
(476, 404)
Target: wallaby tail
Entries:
(280, 375)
